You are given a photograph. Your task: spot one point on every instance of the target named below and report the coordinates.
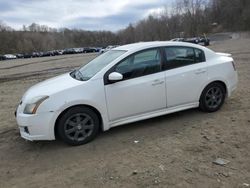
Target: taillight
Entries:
(233, 65)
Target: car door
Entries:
(185, 75)
(142, 89)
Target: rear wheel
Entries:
(79, 125)
(212, 97)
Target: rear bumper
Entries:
(233, 82)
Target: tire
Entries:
(212, 97)
(78, 125)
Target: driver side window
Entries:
(140, 64)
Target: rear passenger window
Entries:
(182, 56)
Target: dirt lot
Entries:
(173, 151)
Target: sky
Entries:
(78, 14)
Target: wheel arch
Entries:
(223, 83)
(79, 105)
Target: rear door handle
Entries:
(200, 71)
(157, 82)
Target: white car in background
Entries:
(107, 48)
(9, 56)
(126, 84)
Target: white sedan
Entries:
(126, 84)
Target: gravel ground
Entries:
(175, 150)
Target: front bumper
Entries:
(36, 126)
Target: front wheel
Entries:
(212, 97)
(79, 125)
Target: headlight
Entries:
(32, 106)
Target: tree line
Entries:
(186, 18)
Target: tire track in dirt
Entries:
(36, 73)
(37, 62)
(239, 53)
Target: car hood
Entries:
(51, 86)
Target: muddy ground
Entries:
(175, 150)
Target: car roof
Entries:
(145, 45)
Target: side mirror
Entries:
(115, 76)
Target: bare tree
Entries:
(186, 18)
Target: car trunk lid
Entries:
(224, 54)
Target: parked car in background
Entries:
(199, 40)
(205, 41)
(36, 54)
(195, 40)
(9, 56)
(48, 53)
(69, 51)
(79, 50)
(89, 50)
(178, 40)
(1, 57)
(58, 52)
(108, 48)
(27, 55)
(126, 84)
(40, 54)
(19, 56)
(98, 49)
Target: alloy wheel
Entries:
(78, 126)
(214, 97)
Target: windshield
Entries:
(89, 70)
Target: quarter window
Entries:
(140, 64)
(199, 56)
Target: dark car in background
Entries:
(195, 40)
(205, 41)
(27, 55)
(69, 51)
(199, 40)
(1, 57)
(89, 50)
(19, 56)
